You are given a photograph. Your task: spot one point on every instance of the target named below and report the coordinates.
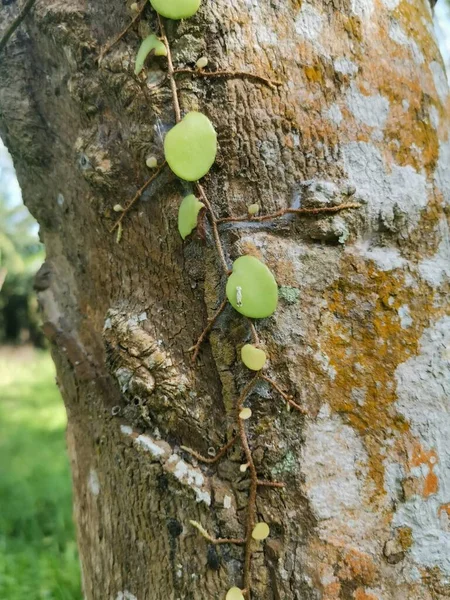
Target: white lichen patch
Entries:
(310, 24)
(423, 389)
(394, 473)
(386, 259)
(362, 8)
(405, 316)
(372, 111)
(442, 173)
(391, 4)
(189, 476)
(434, 120)
(397, 35)
(334, 114)
(334, 464)
(156, 448)
(172, 463)
(93, 482)
(440, 80)
(345, 66)
(125, 596)
(324, 361)
(390, 190)
(436, 269)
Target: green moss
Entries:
(287, 465)
(289, 294)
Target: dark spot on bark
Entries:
(162, 483)
(174, 528)
(7, 2)
(115, 410)
(213, 558)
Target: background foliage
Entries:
(21, 254)
(38, 554)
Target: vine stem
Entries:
(104, 51)
(138, 194)
(251, 512)
(285, 396)
(170, 75)
(216, 541)
(254, 332)
(229, 74)
(211, 460)
(177, 110)
(214, 225)
(16, 23)
(196, 347)
(290, 211)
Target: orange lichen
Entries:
(332, 591)
(366, 351)
(426, 457)
(355, 564)
(361, 594)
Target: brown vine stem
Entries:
(196, 347)
(216, 541)
(138, 194)
(16, 23)
(229, 74)
(177, 110)
(104, 51)
(272, 484)
(211, 460)
(251, 511)
(214, 222)
(285, 396)
(255, 336)
(291, 211)
(173, 83)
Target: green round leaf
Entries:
(187, 215)
(234, 594)
(253, 358)
(191, 147)
(176, 9)
(261, 531)
(150, 43)
(252, 289)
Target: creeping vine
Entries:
(16, 23)
(190, 150)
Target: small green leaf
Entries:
(234, 594)
(245, 414)
(150, 43)
(254, 358)
(176, 9)
(261, 531)
(188, 214)
(252, 289)
(191, 147)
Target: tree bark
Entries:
(361, 338)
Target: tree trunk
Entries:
(361, 338)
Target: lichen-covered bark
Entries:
(362, 334)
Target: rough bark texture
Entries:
(362, 334)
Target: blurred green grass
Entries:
(38, 555)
